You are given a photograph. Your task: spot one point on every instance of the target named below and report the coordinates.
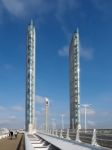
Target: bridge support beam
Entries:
(56, 133)
(94, 141)
(61, 133)
(67, 135)
(77, 135)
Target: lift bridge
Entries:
(69, 139)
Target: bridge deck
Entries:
(8, 144)
(64, 144)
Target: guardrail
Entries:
(99, 137)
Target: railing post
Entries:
(52, 132)
(56, 133)
(49, 131)
(61, 132)
(67, 135)
(77, 135)
(94, 141)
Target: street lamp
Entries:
(46, 113)
(53, 124)
(62, 121)
(85, 114)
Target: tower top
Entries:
(31, 23)
(76, 31)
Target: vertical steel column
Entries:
(30, 78)
(74, 66)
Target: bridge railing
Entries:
(99, 137)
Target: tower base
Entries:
(31, 129)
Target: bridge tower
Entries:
(30, 78)
(74, 73)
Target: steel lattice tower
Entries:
(74, 66)
(30, 78)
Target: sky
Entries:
(55, 21)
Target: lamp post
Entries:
(46, 113)
(85, 115)
(62, 121)
(53, 124)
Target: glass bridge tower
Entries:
(74, 72)
(30, 78)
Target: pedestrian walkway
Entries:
(8, 144)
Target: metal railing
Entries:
(91, 136)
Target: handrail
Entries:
(90, 136)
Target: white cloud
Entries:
(12, 117)
(59, 8)
(64, 51)
(8, 66)
(23, 8)
(12, 123)
(85, 52)
(91, 123)
(26, 8)
(15, 7)
(17, 108)
(5, 121)
(2, 108)
(103, 6)
(89, 111)
(40, 99)
(64, 6)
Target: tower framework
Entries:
(74, 66)
(30, 78)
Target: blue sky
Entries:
(55, 21)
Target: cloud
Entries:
(64, 51)
(26, 8)
(2, 108)
(89, 111)
(12, 123)
(58, 8)
(17, 108)
(103, 6)
(40, 99)
(15, 7)
(8, 120)
(5, 121)
(8, 66)
(64, 6)
(85, 52)
(91, 123)
(12, 117)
